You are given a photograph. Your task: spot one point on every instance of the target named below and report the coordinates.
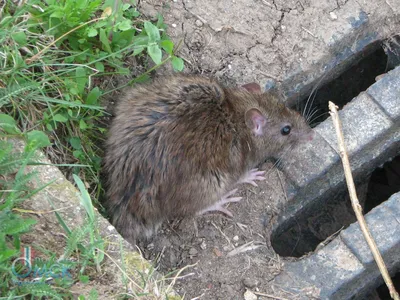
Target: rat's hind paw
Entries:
(218, 206)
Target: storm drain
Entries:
(319, 212)
(359, 77)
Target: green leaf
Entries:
(84, 278)
(17, 225)
(37, 139)
(93, 96)
(8, 124)
(168, 46)
(74, 91)
(140, 41)
(93, 294)
(124, 71)
(7, 254)
(78, 154)
(177, 63)
(81, 79)
(124, 25)
(137, 50)
(60, 118)
(152, 31)
(49, 127)
(83, 125)
(142, 78)
(104, 40)
(19, 38)
(85, 197)
(155, 53)
(75, 143)
(99, 66)
(92, 32)
(57, 14)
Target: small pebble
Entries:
(193, 252)
(235, 238)
(217, 252)
(199, 23)
(173, 25)
(203, 245)
(250, 283)
(150, 246)
(333, 16)
(249, 296)
(173, 260)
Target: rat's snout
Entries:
(307, 137)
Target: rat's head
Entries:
(274, 128)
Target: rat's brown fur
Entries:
(178, 144)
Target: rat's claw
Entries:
(251, 176)
(218, 206)
(225, 211)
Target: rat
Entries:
(180, 145)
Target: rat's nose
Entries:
(310, 135)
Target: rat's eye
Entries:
(286, 130)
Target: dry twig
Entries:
(356, 205)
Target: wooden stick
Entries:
(356, 204)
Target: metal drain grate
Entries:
(344, 268)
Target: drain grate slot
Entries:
(383, 183)
(354, 80)
(319, 222)
(382, 292)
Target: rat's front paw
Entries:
(251, 176)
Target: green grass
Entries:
(54, 57)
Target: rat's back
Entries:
(162, 151)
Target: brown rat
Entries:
(178, 146)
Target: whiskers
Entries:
(308, 111)
(280, 161)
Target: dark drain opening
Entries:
(384, 182)
(383, 292)
(319, 221)
(353, 81)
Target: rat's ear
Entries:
(256, 121)
(252, 87)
